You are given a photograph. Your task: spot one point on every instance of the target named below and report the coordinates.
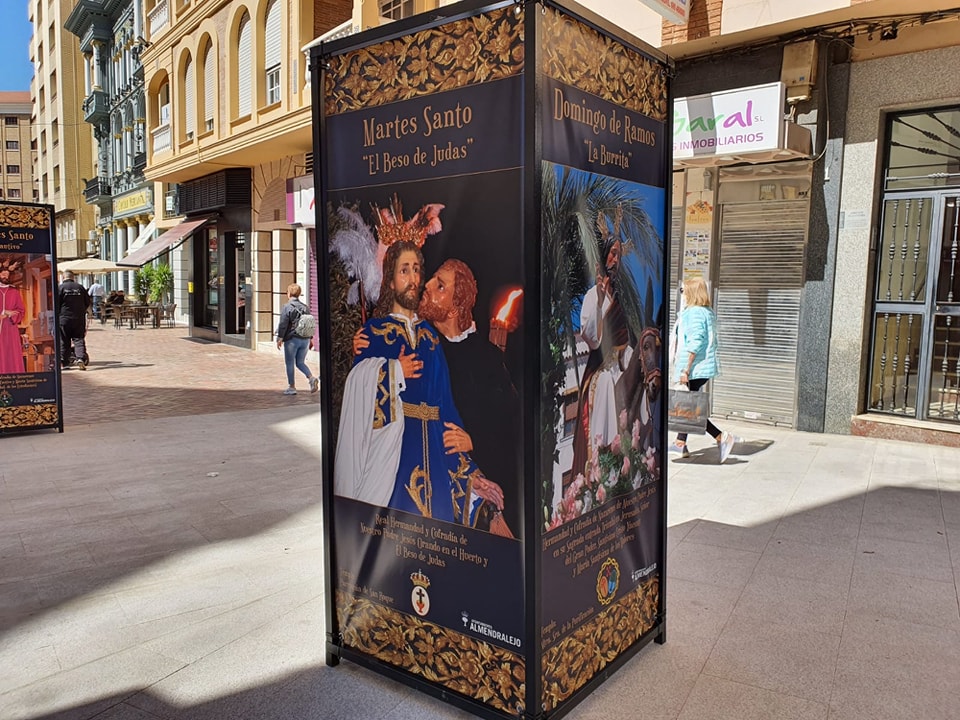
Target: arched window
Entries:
(160, 114)
(272, 52)
(163, 102)
(117, 159)
(128, 141)
(244, 66)
(140, 111)
(189, 100)
(209, 86)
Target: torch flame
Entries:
(504, 311)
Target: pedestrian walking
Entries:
(696, 357)
(97, 293)
(73, 301)
(293, 338)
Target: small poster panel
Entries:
(29, 380)
(422, 154)
(603, 228)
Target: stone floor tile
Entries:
(718, 699)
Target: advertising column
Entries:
(422, 159)
(603, 226)
(29, 379)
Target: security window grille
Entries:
(9, 120)
(396, 9)
(13, 169)
(15, 193)
(915, 348)
(13, 145)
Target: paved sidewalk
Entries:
(151, 372)
(161, 558)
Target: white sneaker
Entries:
(290, 391)
(726, 443)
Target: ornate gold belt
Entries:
(421, 411)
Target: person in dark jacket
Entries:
(294, 347)
(482, 389)
(73, 301)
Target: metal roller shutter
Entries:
(190, 107)
(676, 242)
(762, 248)
(209, 88)
(272, 50)
(244, 68)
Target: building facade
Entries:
(16, 148)
(802, 239)
(831, 253)
(64, 157)
(228, 126)
(110, 35)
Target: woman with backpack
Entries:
(295, 336)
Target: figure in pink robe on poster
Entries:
(11, 315)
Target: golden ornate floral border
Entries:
(27, 416)
(463, 664)
(464, 52)
(578, 55)
(575, 660)
(16, 216)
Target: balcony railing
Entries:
(158, 18)
(161, 138)
(96, 106)
(97, 191)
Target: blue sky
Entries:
(15, 30)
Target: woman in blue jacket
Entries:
(696, 358)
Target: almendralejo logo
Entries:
(487, 630)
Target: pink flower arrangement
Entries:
(615, 469)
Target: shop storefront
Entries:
(741, 219)
(916, 310)
(217, 287)
(896, 324)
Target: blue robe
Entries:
(429, 482)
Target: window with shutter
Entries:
(189, 100)
(244, 67)
(209, 87)
(272, 52)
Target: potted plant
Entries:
(141, 282)
(161, 283)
